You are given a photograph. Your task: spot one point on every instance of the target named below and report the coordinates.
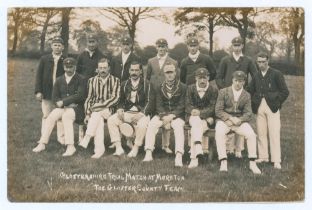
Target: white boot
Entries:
(85, 141)
(254, 168)
(148, 156)
(277, 165)
(119, 150)
(193, 163)
(167, 150)
(223, 166)
(40, 147)
(70, 150)
(178, 160)
(134, 151)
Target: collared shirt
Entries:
(264, 73)
(56, 59)
(162, 60)
(201, 91)
(134, 92)
(195, 56)
(237, 57)
(237, 93)
(103, 80)
(90, 52)
(68, 78)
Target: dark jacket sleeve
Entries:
(121, 102)
(56, 93)
(180, 109)
(149, 70)
(252, 69)
(211, 68)
(209, 111)
(219, 109)
(183, 71)
(188, 101)
(79, 67)
(221, 74)
(283, 90)
(39, 75)
(149, 99)
(79, 96)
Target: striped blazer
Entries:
(105, 91)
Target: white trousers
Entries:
(198, 127)
(67, 115)
(47, 106)
(153, 127)
(268, 123)
(244, 129)
(95, 128)
(140, 127)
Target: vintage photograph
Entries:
(155, 104)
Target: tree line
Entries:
(279, 31)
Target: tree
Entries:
(201, 18)
(292, 24)
(241, 19)
(20, 23)
(128, 17)
(65, 27)
(43, 19)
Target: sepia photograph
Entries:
(155, 104)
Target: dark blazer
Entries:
(44, 77)
(72, 93)
(117, 68)
(226, 107)
(206, 104)
(155, 74)
(272, 87)
(188, 68)
(144, 98)
(229, 65)
(87, 65)
(174, 105)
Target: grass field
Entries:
(49, 177)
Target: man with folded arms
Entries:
(135, 107)
(103, 95)
(68, 95)
(170, 105)
(233, 113)
(200, 103)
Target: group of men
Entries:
(97, 88)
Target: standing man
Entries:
(170, 105)
(103, 95)
(200, 104)
(233, 112)
(155, 74)
(135, 107)
(268, 92)
(68, 95)
(195, 60)
(50, 67)
(87, 63)
(228, 65)
(121, 63)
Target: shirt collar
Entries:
(237, 57)
(237, 91)
(68, 78)
(195, 56)
(125, 55)
(163, 57)
(202, 89)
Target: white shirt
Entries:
(56, 59)
(90, 52)
(237, 57)
(133, 94)
(201, 91)
(162, 60)
(237, 93)
(195, 56)
(124, 57)
(68, 78)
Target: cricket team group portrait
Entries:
(146, 104)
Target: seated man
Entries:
(103, 95)
(170, 104)
(200, 103)
(233, 112)
(68, 94)
(135, 107)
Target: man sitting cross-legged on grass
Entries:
(200, 103)
(170, 105)
(103, 95)
(135, 107)
(68, 94)
(233, 112)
